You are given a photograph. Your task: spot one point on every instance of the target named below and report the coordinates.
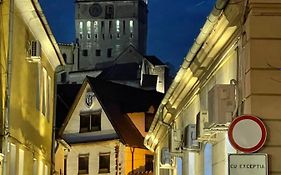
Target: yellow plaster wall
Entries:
(59, 159)
(30, 131)
(139, 160)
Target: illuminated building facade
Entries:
(104, 29)
(232, 69)
(105, 129)
(29, 60)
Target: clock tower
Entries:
(105, 28)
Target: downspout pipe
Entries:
(201, 38)
(5, 145)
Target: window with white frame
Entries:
(44, 92)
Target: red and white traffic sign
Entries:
(247, 133)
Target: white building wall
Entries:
(93, 149)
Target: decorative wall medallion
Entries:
(89, 98)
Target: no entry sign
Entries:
(247, 133)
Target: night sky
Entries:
(173, 25)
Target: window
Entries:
(102, 26)
(35, 166)
(148, 162)
(109, 52)
(96, 27)
(13, 157)
(90, 122)
(65, 165)
(46, 94)
(104, 162)
(88, 29)
(109, 12)
(117, 26)
(124, 27)
(131, 26)
(85, 52)
(98, 52)
(83, 164)
(208, 159)
(46, 171)
(109, 26)
(81, 29)
(148, 120)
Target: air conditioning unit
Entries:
(202, 133)
(190, 142)
(221, 105)
(175, 141)
(34, 51)
(166, 158)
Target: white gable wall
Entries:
(73, 126)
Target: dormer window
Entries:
(90, 122)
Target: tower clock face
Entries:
(95, 10)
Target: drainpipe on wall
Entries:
(132, 151)
(205, 31)
(6, 118)
(53, 155)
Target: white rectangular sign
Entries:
(247, 164)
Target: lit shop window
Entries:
(88, 29)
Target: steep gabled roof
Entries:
(117, 100)
(66, 94)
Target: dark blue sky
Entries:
(173, 25)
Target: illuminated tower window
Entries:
(88, 29)
(117, 26)
(81, 29)
(131, 26)
(96, 27)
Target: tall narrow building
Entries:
(105, 28)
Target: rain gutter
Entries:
(203, 35)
